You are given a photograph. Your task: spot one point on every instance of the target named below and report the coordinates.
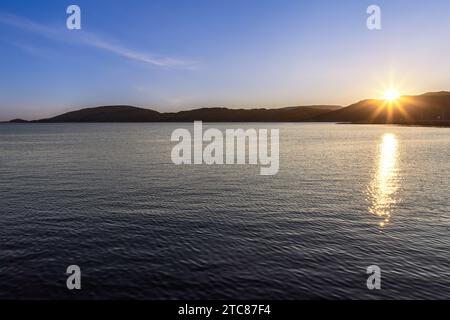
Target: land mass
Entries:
(122, 113)
(427, 109)
(431, 108)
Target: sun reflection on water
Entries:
(385, 182)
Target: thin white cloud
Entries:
(26, 24)
(35, 51)
(92, 40)
(95, 41)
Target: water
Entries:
(107, 198)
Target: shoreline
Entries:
(437, 124)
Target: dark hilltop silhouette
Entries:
(134, 114)
(428, 109)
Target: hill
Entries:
(107, 114)
(428, 108)
(134, 114)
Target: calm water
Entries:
(107, 198)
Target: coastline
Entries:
(443, 124)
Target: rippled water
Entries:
(107, 198)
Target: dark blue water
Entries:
(106, 197)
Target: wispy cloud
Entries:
(97, 42)
(33, 50)
(92, 40)
(26, 24)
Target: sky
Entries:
(171, 55)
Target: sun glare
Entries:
(391, 95)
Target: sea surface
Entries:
(106, 197)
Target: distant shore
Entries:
(411, 124)
(436, 124)
(431, 109)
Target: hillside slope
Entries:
(134, 114)
(429, 107)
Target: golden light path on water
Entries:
(385, 181)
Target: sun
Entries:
(391, 95)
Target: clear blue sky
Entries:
(174, 55)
